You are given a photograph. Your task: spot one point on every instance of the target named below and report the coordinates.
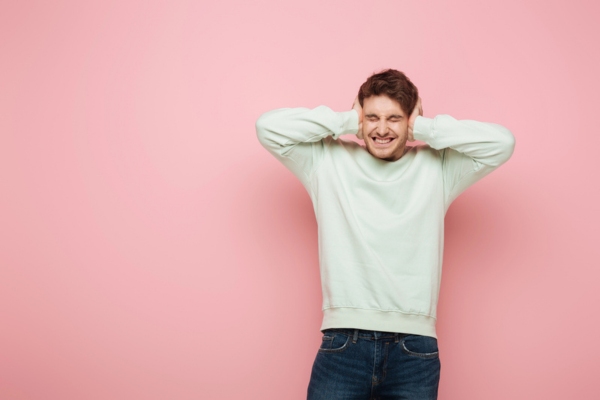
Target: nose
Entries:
(382, 126)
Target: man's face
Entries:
(385, 127)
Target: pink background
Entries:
(150, 248)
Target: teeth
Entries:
(383, 141)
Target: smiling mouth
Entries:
(382, 142)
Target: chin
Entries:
(381, 154)
(384, 154)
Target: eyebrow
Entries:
(391, 116)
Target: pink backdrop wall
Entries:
(151, 249)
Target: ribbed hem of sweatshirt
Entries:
(423, 128)
(349, 123)
(376, 320)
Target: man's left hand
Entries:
(418, 110)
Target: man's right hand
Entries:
(356, 106)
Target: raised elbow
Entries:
(262, 128)
(507, 144)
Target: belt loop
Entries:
(355, 338)
(396, 337)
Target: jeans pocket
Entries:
(334, 343)
(420, 346)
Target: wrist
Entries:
(350, 122)
(422, 128)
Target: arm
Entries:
(295, 135)
(470, 149)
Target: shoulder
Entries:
(426, 150)
(424, 153)
(342, 144)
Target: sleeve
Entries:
(470, 149)
(295, 135)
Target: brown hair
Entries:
(393, 84)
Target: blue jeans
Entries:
(354, 364)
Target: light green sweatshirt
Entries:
(381, 223)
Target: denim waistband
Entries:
(364, 334)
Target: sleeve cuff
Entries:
(349, 122)
(423, 128)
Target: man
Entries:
(380, 212)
